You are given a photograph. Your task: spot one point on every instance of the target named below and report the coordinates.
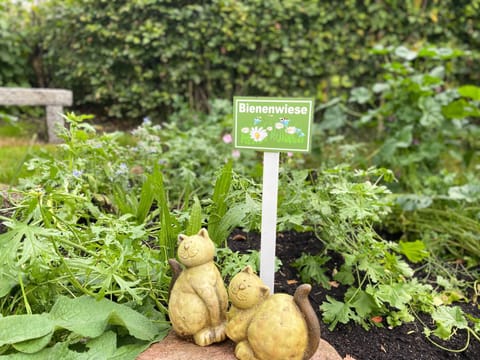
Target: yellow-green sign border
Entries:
(285, 121)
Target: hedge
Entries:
(140, 58)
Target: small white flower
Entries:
(258, 134)
(245, 130)
(278, 125)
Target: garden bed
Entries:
(403, 342)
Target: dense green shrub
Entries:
(141, 58)
(14, 51)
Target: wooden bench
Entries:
(53, 99)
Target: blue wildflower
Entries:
(77, 173)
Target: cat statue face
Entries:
(246, 290)
(270, 327)
(195, 250)
(198, 299)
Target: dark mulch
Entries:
(403, 342)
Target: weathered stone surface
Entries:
(175, 348)
(35, 96)
(53, 99)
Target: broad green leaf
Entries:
(448, 318)
(415, 251)
(380, 87)
(404, 137)
(467, 192)
(432, 112)
(460, 109)
(19, 328)
(470, 91)
(89, 317)
(333, 118)
(33, 345)
(360, 95)
(405, 53)
(414, 202)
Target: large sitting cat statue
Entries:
(270, 327)
(198, 298)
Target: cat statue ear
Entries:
(264, 289)
(203, 233)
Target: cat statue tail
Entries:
(176, 271)
(301, 299)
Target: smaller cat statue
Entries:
(198, 299)
(270, 327)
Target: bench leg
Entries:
(54, 119)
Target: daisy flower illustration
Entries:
(258, 134)
(291, 130)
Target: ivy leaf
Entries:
(333, 119)
(336, 311)
(447, 318)
(360, 95)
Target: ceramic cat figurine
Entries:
(198, 298)
(270, 327)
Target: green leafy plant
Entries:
(83, 322)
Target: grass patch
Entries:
(14, 152)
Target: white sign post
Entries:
(271, 125)
(269, 218)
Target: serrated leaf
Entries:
(310, 268)
(447, 318)
(363, 303)
(395, 295)
(335, 312)
(415, 251)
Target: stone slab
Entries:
(35, 96)
(175, 348)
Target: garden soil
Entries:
(405, 342)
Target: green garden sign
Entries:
(273, 124)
